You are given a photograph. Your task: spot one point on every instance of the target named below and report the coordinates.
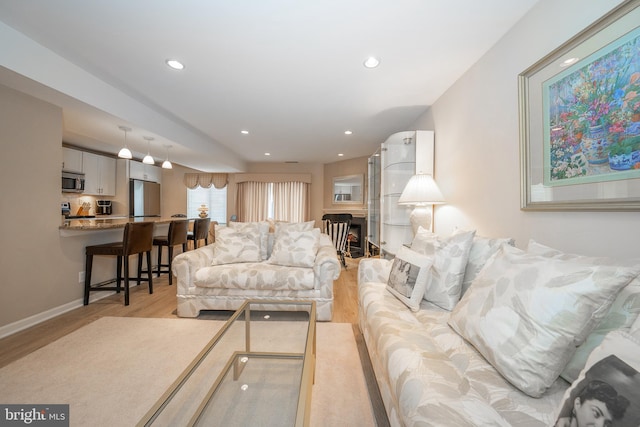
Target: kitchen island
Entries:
(74, 227)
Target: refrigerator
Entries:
(144, 198)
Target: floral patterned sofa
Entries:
(430, 365)
(247, 261)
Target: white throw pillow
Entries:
(623, 312)
(250, 227)
(450, 255)
(526, 313)
(481, 250)
(295, 248)
(408, 277)
(233, 246)
(607, 391)
(293, 226)
(635, 328)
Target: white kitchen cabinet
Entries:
(142, 171)
(71, 160)
(99, 174)
(403, 155)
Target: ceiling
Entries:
(290, 72)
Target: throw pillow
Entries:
(481, 250)
(293, 226)
(444, 285)
(408, 277)
(623, 312)
(250, 227)
(607, 386)
(233, 246)
(295, 248)
(526, 313)
(635, 328)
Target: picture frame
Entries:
(579, 132)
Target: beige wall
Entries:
(35, 274)
(357, 166)
(477, 145)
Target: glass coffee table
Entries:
(257, 370)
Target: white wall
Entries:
(477, 146)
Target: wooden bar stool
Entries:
(200, 231)
(137, 239)
(177, 235)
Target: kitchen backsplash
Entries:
(76, 201)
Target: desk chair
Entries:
(200, 231)
(137, 239)
(177, 235)
(337, 227)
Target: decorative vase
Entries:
(623, 162)
(595, 145)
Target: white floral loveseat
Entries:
(497, 357)
(246, 261)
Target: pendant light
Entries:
(167, 164)
(148, 160)
(124, 152)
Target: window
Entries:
(213, 198)
(282, 201)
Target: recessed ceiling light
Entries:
(244, 132)
(340, 154)
(175, 64)
(267, 154)
(348, 132)
(371, 62)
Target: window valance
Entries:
(205, 180)
(273, 177)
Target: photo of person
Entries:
(403, 276)
(603, 398)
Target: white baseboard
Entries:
(28, 322)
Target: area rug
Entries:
(113, 370)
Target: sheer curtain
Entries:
(253, 201)
(291, 201)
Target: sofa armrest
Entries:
(326, 267)
(185, 265)
(374, 270)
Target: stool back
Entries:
(177, 234)
(138, 237)
(201, 228)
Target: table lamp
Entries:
(421, 192)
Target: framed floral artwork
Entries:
(580, 119)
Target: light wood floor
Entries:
(162, 303)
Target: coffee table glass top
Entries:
(257, 370)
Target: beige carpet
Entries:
(113, 370)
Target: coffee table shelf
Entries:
(257, 370)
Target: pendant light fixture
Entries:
(148, 160)
(124, 152)
(167, 164)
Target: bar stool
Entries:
(200, 231)
(137, 239)
(177, 235)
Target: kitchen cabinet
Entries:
(144, 172)
(403, 155)
(99, 174)
(71, 160)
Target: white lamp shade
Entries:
(125, 153)
(148, 160)
(167, 164)
(421, 190)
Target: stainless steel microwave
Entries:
(72, 182)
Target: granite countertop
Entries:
(105, 223)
